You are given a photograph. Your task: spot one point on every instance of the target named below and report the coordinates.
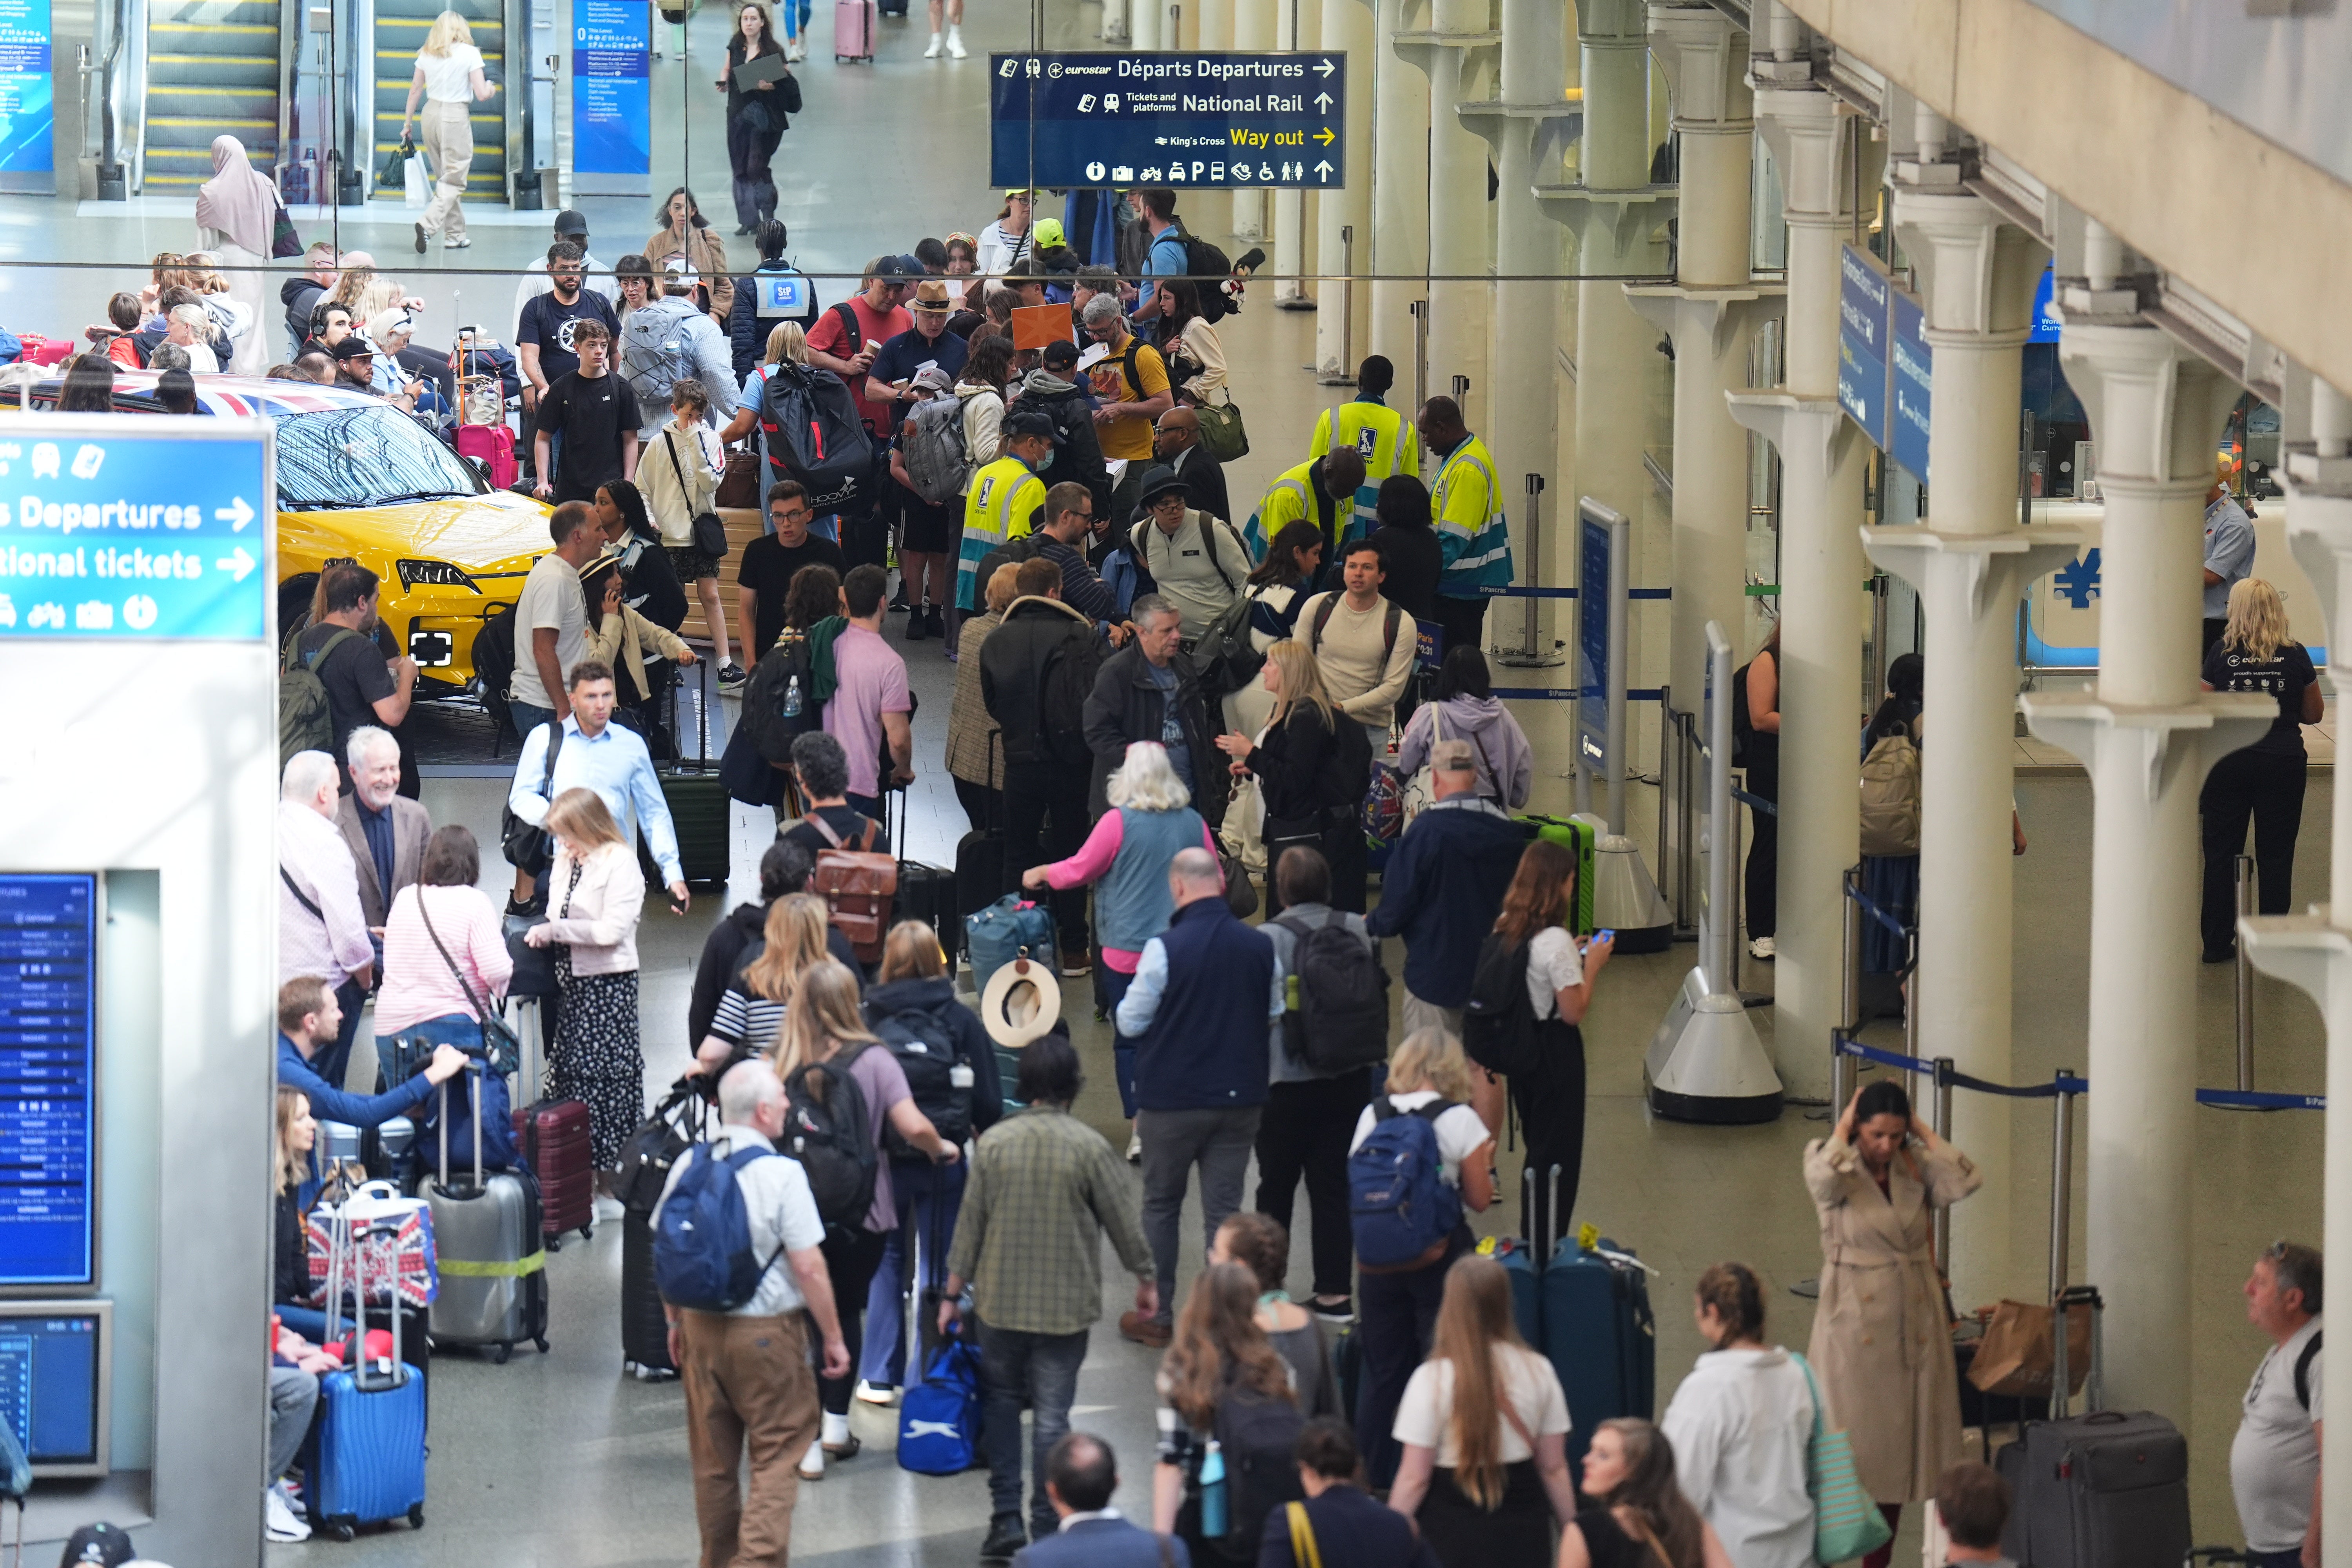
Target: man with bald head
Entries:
(1320, 490)
(1466, 504)
(1176, 443)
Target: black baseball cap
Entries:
(353, 347)
(1031, 422)
(102, 1543)
(1061, 354)
(571, 221)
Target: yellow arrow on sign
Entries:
(1325, 136)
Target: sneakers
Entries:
(524, 908)
(291, 1491)
(731, 676)
(955, 43)
(1006, 1536)
(1134, 1325)
(1761, 948)
(918, 627)
(278, 1520)
(845, 1449)
(933, 52)
(420, 238)
(1333, 1310)
(877, 1394)
(1076, 964)
(1135, 1148)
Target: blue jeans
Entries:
(529, 716)
(928, 1196)
(2290, 1558)
(460, 1029)
(1043, 1370)
(1122, 1049)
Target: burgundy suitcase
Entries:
(852, 30)
(553, 1136)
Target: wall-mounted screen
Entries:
(48, 1081)
(56, 1376)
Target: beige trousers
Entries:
(449, 150)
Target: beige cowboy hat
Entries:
(1022, 1003)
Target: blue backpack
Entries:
(1398, 1198)
(702, 1235)
(939, 1419)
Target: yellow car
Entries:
(359, 480)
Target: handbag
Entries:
(2018, 1356)
(738, 486)
(1221, 431)
(1241, 893)
(788, 90)
(500, 1047)
(710, 534)
(394, 173)
(527, 845)
(284, 242)
(1846, 1522)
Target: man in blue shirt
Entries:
(1166, 257)
(599, 754)
(2229, 551)
(308, 1017)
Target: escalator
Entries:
(401, 27)
(211, 69)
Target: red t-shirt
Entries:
(877, 327)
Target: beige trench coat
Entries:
(1882, 1348)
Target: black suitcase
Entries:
(980, 876)
(644, 1327)
(927, 893)
(701, 810)
(667, 1136)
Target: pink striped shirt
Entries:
(417, 984)
(1092, 860)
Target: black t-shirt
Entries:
(549, 322)
(846, 821)
(2283, 675)
(767, 569)
(355, 678)
(1414, 562)
(593, 416)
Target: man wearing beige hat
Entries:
(890, 379)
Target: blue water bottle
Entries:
(1213, 1503)
(793, 698)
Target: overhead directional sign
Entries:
(1913, 386)
(1168, 119)
(135, 526)
(1863, 292)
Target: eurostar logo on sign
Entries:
(143, 526)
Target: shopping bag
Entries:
(2018, 1355)
(398, 1264)
(1846, 1523)
(419, 184)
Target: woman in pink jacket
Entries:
(595, 895)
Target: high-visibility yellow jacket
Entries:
(1001, 505)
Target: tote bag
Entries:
(1846, 1522)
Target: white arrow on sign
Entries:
(1323, 102)
(1323, 167)
(237, 562)
(1324, 68)
(235, 512)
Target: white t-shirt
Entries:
(1459, 1129)
(1553, 964)
(550, 597)
(2275, 1457)
(448, 78)
(1424, 1418)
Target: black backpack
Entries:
(493, 659)
(825, 1131)
(1498, 1027)
(1341, 1017)
(815, 436)
(1256, 1433)
(1069, 678)
(924, 1047)
(1209, 268)
(772, 729)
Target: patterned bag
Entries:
(1846, 1523)
(404, 1264)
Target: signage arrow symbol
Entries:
(236, 514)
(1323, 167)
(1324, 68)
(1326, 136)
(237, 562)
(1323, 102)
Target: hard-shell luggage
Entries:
(701, 812)
(366, 1447)
(647, 1160)
(1576, 836)
(2098, 1490)
(645, 1326)
(1600, 1334)
(493, 1259)
(493, 446)
(927, 893)
(853, 30)
(1523, 1260)
(553, 1134)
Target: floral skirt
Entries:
(596, 1059)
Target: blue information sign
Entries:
(611, 97)
(1594, 603)
(1913, 364)
(111, 530)
(27, 109)
(2046, 321)
(1863, 293)
(48, 1100)
(1168, 119)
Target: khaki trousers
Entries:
(748, 1385)
(449, 150)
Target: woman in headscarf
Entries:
(237, 213)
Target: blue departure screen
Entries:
(49, 1110)
(48, 1385)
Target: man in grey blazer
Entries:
(385, 830)
(1081, 1474)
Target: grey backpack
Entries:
(933, 444)
(656, 351)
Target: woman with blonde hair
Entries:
(1640, 1517)
(912, 1007)
(1397, 1306)
(824, 1044)
(449, 78)
(293, 1134)
(1218, 1352)
(596, 894)
(787, 343)
(1307, 786)
(2265, 781)
(759, 992)
(1484, 1424)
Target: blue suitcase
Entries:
(1523, 1262)
(1601, 1336)
(367, 1445)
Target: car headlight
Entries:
(432, 574)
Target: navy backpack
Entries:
(1398, 1198)
(703, 1258)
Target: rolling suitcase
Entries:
(927, 893)
(1574, 835)
(1600, 1334)
(979, 879)
(853, 30)
(1522, 1262)
(647, 1160)
(701, 812)
(554, 1137)
(366, 1447)
(493, 1259)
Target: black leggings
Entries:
(850, 1259)
(749, 154)
(2268, 787)
(1550, 1102)
(1762, 888)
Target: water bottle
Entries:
(1213, 1503)
(793, 698)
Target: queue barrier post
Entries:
(2245, 867)
(1942, 1121)
(2061, 1170)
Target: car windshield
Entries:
(364, 457)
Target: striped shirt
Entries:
(744, 1018)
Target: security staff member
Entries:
(1376, 431)
(1323, 490)
(1007, 500)
(1467, 503)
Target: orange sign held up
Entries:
(1034, 326)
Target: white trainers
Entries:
(286, 1489)
(812, 1462)
(278, 1520)
(937, 43)
(885, 1394)
(955, 43)
(1135, 1148)
(1761, 948)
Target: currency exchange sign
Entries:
(1169, 118)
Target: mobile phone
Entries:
(1604, 936)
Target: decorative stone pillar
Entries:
(1400, 240)
(1454, 53)
(2148, 735)
(1340, 342)
(1255, 30)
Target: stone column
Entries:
(1215, 25)
(1144, 22)
(1254, 32)
(2314, 950)
(1454, 54)
(1822, 610)
(1970, 563)
(2148, 735)
(1298, 25)
(1400, 239)
(1339, 342)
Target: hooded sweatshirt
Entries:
(1507, 767)
(934, 998)
(299, 295)
(1077, 457)
(1740, 1425)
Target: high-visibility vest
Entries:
(1381, 437)
(1473, 536)
(1288, 499)
(1004, 498)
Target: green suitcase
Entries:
(1574, 835)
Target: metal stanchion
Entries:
(1943, 1125)
(2246, 869)
(1911, 1013)
(1739, 878)
(2061, 1171)
(1347, 301)
(1666, 786)
(1842, 1074)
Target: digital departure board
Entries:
(48, 1080)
